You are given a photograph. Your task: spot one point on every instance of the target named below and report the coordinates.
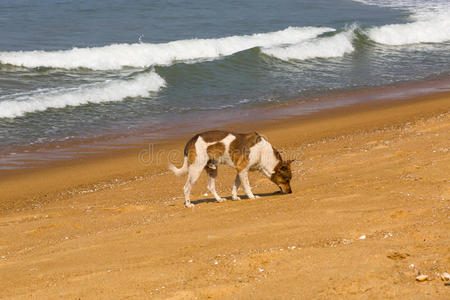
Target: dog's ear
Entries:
(286, 165)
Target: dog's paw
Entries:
(236, 198)
(256, 197)
(221, 199)
(189, 205)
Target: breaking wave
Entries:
(323, 47)
(434, 29)
(430, 23)
(116, 90)
(143, 55)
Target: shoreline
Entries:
(51, 154)
(125, 163)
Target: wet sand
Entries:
(369, 212)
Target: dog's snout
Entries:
(285, 190)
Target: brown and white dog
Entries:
(244, 152)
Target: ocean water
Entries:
(81, 69)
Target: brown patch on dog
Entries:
(282, 174)
(208, 136)
(211, 172)
(213, 136)
(189, 150)
(240, 149)
(215, 151)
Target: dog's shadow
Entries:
(209, 200)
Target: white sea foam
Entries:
(141, 86)
(324, 47)
(432, 29)
(117, 56)
(430, 22)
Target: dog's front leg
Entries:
(243, 176)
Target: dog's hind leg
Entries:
(237, 183)
(212, 174)
(194, 173)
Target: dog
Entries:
(244, 152)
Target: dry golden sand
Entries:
(115, 227)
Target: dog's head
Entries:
(282, 176)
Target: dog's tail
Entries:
(180, 171)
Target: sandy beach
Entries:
(369, 212)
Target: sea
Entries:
(79, 70)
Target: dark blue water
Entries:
(55, 25)
(74, 69)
